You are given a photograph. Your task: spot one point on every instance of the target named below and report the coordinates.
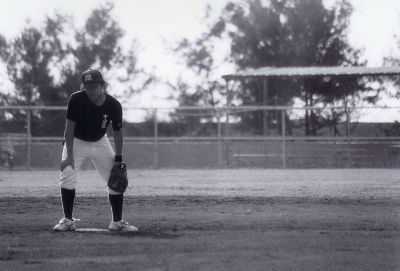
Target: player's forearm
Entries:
(118, 142)
(69, 137)
(69, 143)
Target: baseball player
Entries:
(89, 112)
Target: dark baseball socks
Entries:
(67, 198)
(116, 202)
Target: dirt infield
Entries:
(209, 220)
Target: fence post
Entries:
(155, 120)
(348, 154)
(219, 140)
(265, 125)
(227, 130)
(284, 154)
(227, 141)
(29, 138)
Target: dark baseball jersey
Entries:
(91, 121)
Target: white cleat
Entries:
(66, 224)
(122, 226)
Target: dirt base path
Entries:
(205, 233)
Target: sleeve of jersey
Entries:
(117, 118)
(72, 109)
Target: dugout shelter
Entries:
(266, 73)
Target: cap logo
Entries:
(88, 77)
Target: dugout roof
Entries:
(264, 72)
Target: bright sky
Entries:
(373, 25)
(374, 22)
(150, 21)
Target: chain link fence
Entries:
(224, 137)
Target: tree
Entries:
(394, 60)
(45, 63)
(203, 91)
(3, 52)
(282, 33)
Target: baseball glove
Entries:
(118, 180)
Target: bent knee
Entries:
(68, 178)
(112, 192)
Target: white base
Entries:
(93, 230)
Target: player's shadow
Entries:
(144, 232)
(152, 234)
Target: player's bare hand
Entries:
(67, 162)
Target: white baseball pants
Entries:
(100, 152)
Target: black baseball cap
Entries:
(92, 76)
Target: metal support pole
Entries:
(348, 154)
(219, 140)
(227, 131)
(156, 141)
(284, 154)
(265, 103)
(29, 139)
(265, 120)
